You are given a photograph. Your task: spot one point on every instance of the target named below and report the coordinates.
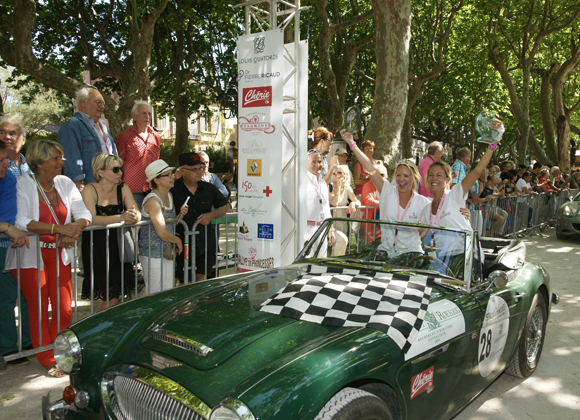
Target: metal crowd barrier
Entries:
(226, 263)
(542, 207)
(513, 217)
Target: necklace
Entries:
(46, 191)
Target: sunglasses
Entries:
(340, 173)
(117, 169)
(200, 169)
(172, 173)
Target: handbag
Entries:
(169, 252)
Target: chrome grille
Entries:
(133, 399)
(181, 342)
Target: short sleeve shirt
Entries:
(407, 240)
(460, 170)
(206, 195)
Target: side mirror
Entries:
(498, 278)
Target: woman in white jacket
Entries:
(47, 201)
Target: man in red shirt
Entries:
(138, 147)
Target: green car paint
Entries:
(207, 342)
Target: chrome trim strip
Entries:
(142, 385)
(181, 341)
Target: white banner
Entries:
(260, 87)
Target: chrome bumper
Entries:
(54, 411)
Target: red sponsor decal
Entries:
(186, 252)
(258, 96)
(267, 191)
(422, 381)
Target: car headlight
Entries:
(231, 409)
(568, 211)
(67, 352)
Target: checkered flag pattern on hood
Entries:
(392, 303)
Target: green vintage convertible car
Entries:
(569, 218)
(414, 324)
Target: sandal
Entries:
(53, 371)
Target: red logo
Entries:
(255, 97)
(267, 191)
(422, 381)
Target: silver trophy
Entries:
(484, 126)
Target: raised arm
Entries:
(365, 161)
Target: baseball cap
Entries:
(156, 168)
(340, 151)
(189, 159)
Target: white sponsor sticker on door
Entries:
(493, 335)
(442, 322)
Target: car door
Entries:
(440, 361)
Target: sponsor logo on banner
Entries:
(254, 167)
(247, 76)
(257, 97)
(254, 147)
(253, 211)
(443, 321)
(267, 191)
(252, 261)
(244, 228)
(247, 186)
(422, 382)
(266, 231)
(259, 44)
(255, 60)
(254, 124)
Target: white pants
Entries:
(152, 274)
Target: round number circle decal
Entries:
(493, 335)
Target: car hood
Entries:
(204, 331)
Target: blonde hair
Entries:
(346, 171)
(40, 151)
(412, 168)
(101, 161)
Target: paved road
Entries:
(552, 392)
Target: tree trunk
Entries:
(133, 80)
(546, 113)
(393, 34)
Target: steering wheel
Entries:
(448, 271)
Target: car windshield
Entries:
(392, 247)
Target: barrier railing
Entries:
(519, 216)
(137, 285)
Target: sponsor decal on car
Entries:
(160, 362)
(493, 335)
(442, 322)
(422, 382)
(257, 97)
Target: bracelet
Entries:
(52, 229)
(352, 145)
(492, 146)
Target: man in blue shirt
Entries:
(13, 134)
(459, 167)
(8, 287)
(84, 135)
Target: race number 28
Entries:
(485, 344)
(493, 335)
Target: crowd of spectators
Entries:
(100, 181)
